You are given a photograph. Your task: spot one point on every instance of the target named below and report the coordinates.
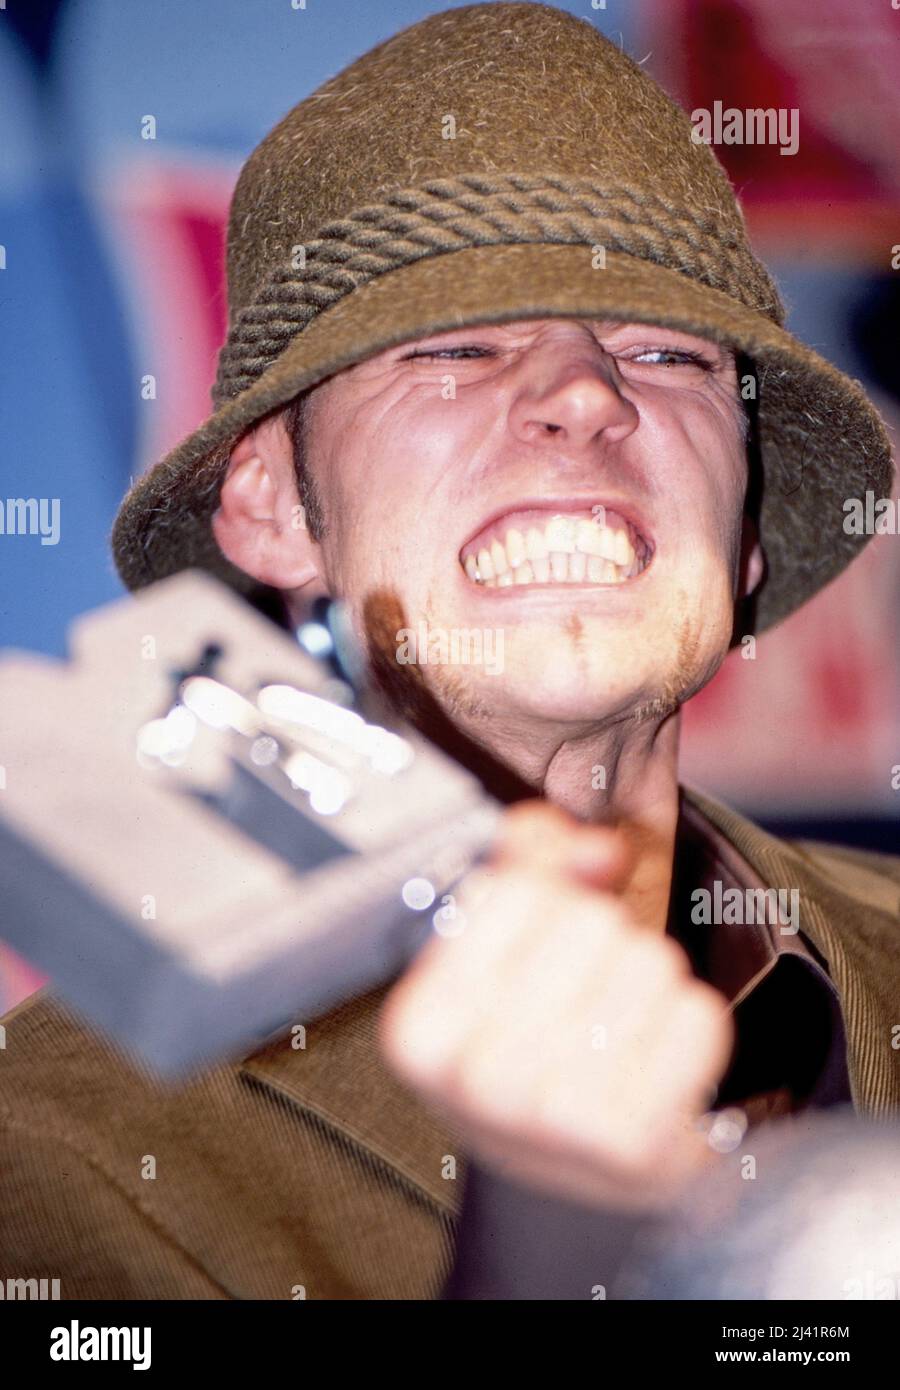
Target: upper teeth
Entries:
(565, 549)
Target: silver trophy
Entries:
(210, 828)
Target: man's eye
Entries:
(445, 352)
(668, 357)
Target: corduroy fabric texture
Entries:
(356, 225)
(295, 1169)
(315, 1166)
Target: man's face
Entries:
(577, 486)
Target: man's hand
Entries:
(572, 1050)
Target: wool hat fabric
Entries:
(492, 163)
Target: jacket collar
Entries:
(848, 911)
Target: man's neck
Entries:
(624, 776)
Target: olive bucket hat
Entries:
(472, 169)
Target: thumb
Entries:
(536, 834)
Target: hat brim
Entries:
(820, 439)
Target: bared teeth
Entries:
(515, 548)
(536, 547)
(559, 566)
(560, 534)
(566, 550)
(624, 551)
(593, 540)
(578, 567)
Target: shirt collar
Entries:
(735, 955)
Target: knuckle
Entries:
(676, 958)
(704, 1014)
(707, 1002)
(655, 962)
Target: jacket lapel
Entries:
(340, 1077)
(849, 909)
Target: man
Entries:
(489, 351)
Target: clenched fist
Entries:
(573, 1050)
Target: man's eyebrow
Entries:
(599, 326)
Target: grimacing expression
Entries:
(578, 485)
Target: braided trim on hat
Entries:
(445, 215)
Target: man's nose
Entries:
(576, 397)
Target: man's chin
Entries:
(550, 684)
(581, 671)
(567, 701)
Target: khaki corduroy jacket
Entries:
(314, 1172)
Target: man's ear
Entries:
(260, 525)
(752, 565)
